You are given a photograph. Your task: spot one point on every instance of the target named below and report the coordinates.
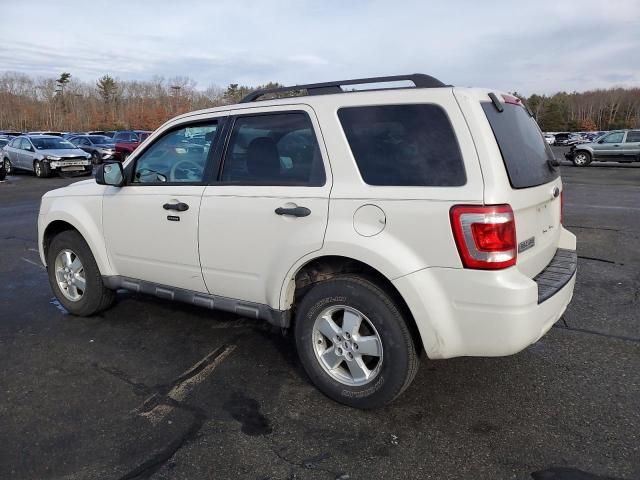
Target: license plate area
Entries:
(72, 168)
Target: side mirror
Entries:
(110, 173)
(600, 141)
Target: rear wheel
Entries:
(581, 158)
(74, 276)
(354, 343)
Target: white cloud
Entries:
(541, 46)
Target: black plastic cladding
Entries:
(420, 80)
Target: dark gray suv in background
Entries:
(618, 146)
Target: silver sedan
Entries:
(45, 154)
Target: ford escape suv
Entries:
(376, 224)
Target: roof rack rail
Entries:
(420, 80)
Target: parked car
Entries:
(337, 216)
(620, 146)
(56, 134)
(69, 135)
(10, 133)
(100, 147)
(561, 138)
(3, 172)
(44, 155)
(126, 142)
(549, 138)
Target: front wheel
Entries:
(354, 343)
(74, 275)
(95, 158)
(8, 167)
(581, 158)
(42, 169)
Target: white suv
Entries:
(377, 224)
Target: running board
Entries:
(279, 318)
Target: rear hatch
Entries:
(534, 190)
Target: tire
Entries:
(3, 173)
(394, 362)
(41, 169)
(8, 167)
(581, 158)
(95, 297)
(95, 158)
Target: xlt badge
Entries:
(526, 244)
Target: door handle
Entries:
(294, 211)
(180, 207)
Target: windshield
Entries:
(100, 139)
(51, 144)
(527, 157)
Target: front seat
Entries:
(263, 160)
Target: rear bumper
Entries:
(462, 312)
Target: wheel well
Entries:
(325, 268)
(53, 229)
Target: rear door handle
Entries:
(294, 211)
(180, 207)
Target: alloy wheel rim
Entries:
(581, 159)
(38, 169)
(347, 345)
(70, 275)
(7, 166)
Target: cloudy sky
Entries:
(529, 46)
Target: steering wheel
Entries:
(188, 167)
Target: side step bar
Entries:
(279, 318)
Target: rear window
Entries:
(403, 145)
(527, 156)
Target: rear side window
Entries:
(527, 156)
(404, 145)
(274, 149)
(633, 137)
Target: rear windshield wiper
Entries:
(553, 164)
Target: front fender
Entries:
(86, 217)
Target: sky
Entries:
(525, 46)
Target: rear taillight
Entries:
(485, 236)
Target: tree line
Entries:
(602, 109)
(68, 104)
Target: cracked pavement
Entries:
(153, 389)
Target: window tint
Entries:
(633, 136)
(613, 138)
(403, 145)
(527, 156)
(278, 149)
(175, 157)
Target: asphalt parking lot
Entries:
(151, 389)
